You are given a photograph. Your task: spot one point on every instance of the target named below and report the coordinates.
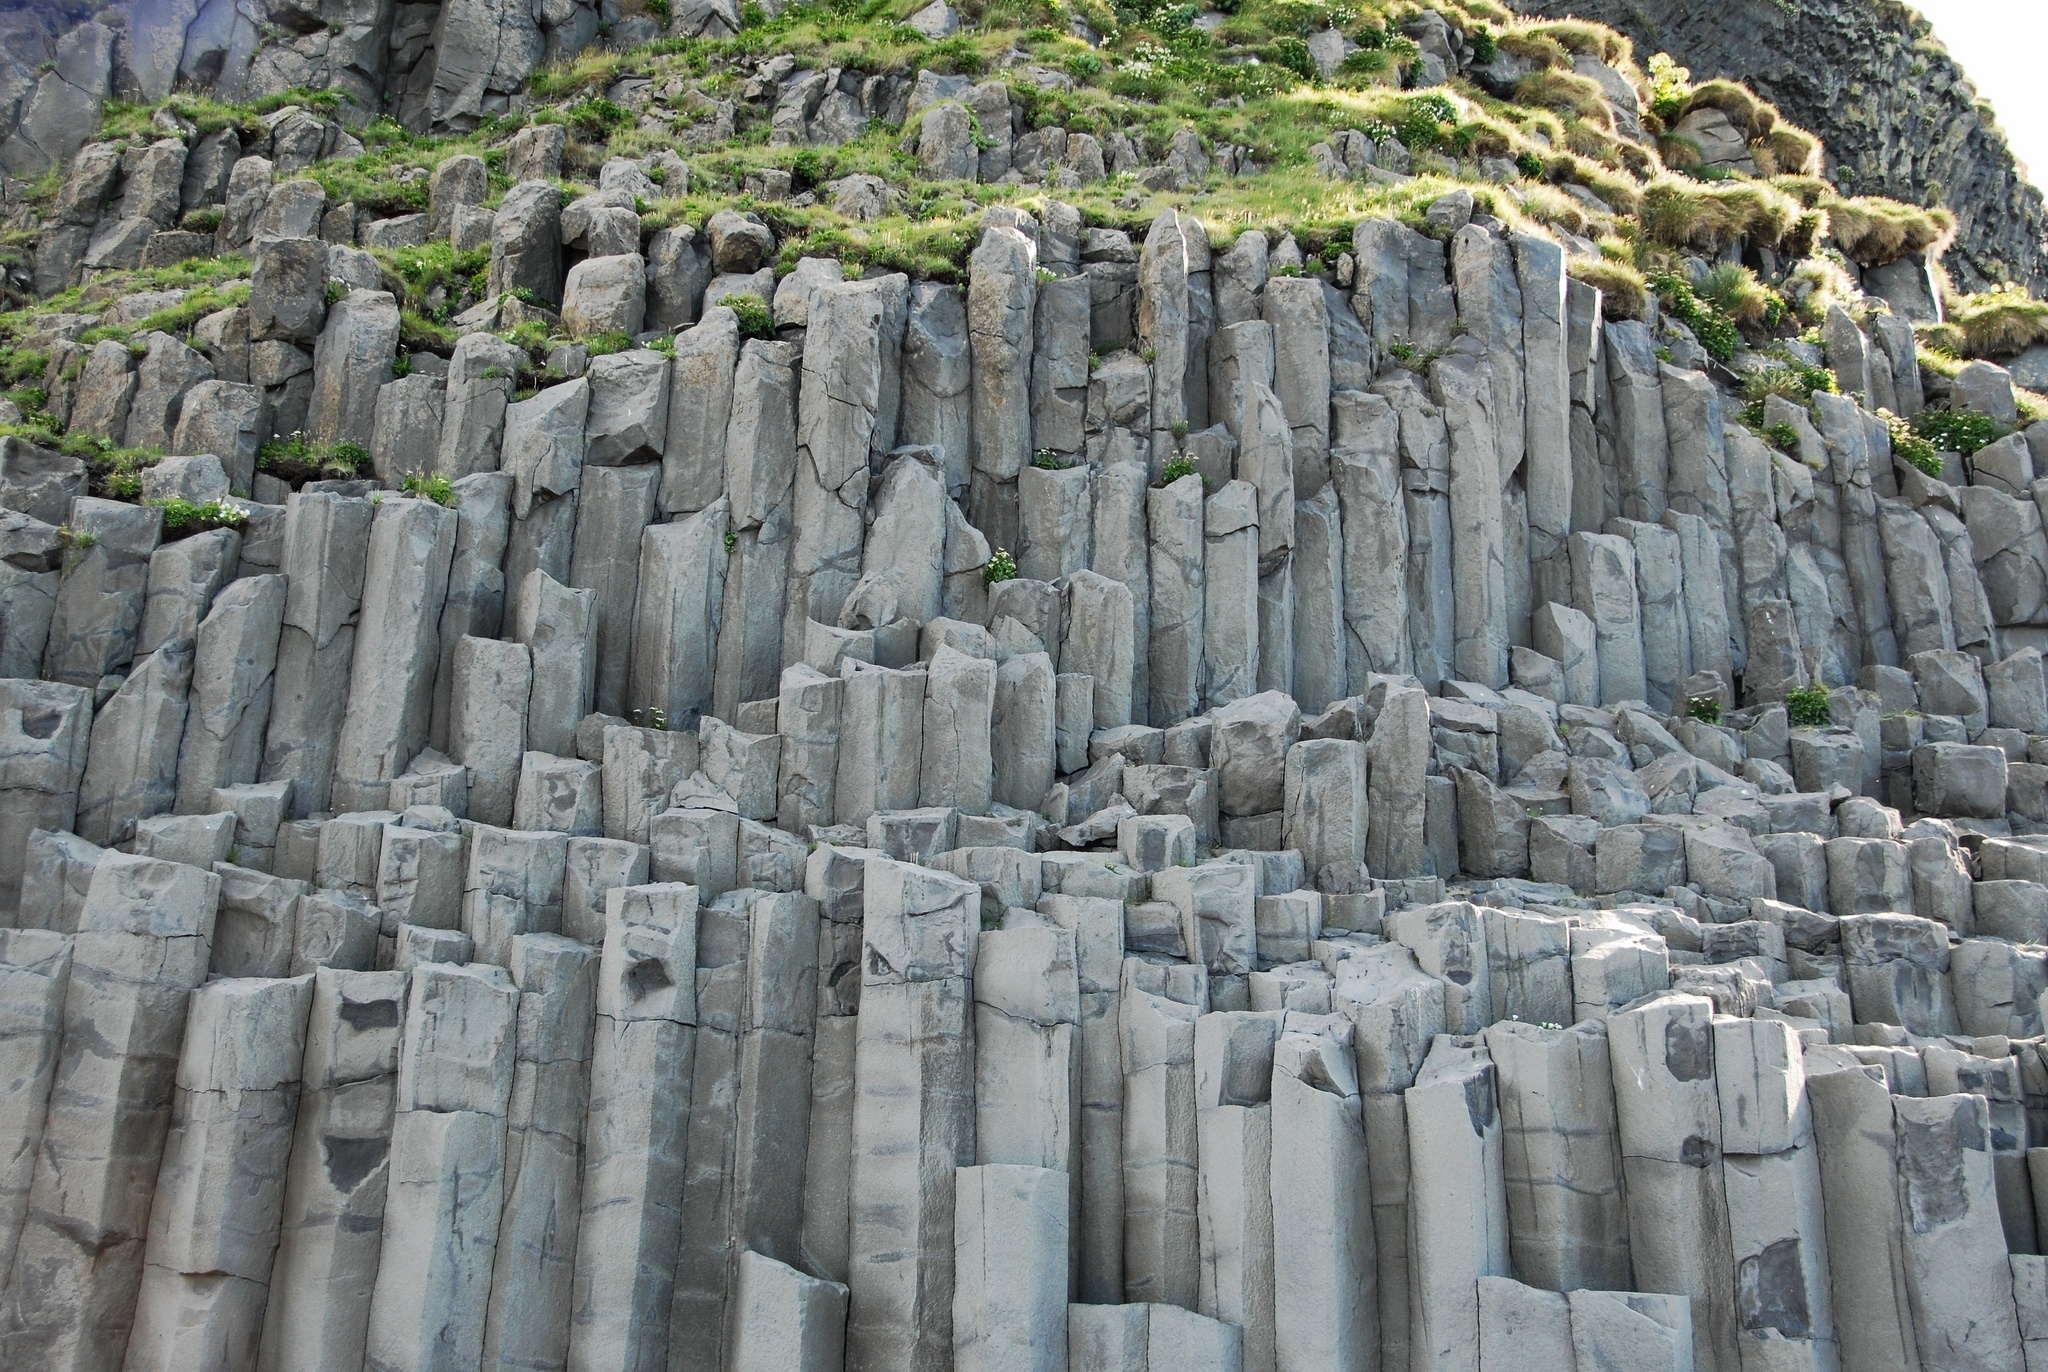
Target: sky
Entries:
(1999, 43)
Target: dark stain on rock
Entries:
(1770, 1291)
(1479, 1102)
(369, 1014)
(1689, 1051)
(1931, 1167)
(351, 1160)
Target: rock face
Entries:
(1158, 808)
(1897, 114)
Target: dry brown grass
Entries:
(1625, 293)
(1707, 218)
(1551, 206)
(1998, 323)
(1873, 231)
(1541, 49)
(1787, 150)
(1808, 190)
(1586, 38)
(1568, 93)
(1620, 192)
(1742, 106)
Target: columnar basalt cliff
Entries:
(1008, 756)
(1899, 116)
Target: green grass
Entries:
(1154, 74)
(1715, 331)
(183, 517)
(1806, 707)
(1958, 431)
(437, 487)
(297, 459)
(1912, 447)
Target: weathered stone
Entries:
(143, 946)
(327, 540)
(352, 361)
(390, 699)
(94, 628)
(233, 679)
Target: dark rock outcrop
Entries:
(1897, 113)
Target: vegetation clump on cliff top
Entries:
(1549, 144)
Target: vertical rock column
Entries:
(1234, 1159)
(1266, 459)
(220, 1196)
(956, 767)
(1366, 474)
(1026, 1072)
(1296, 308)
(1703, 486)
(514, 885)
(1163, 329)
(788, 1319)
(699, 410)
(913, 1117)
(675, 629)
(35, 971)
(131, 765)
(1458, 1213)
(527, 1322)
(1957, 1277)
(881, 741)
(492, 691)
(777, 1039)
(446, 1192)
(1318, 575)
(1478, 559)
(391, 683)
(1636, 449)
(46, 732)
(1174, 649)
(1121, 551)
(1230, 594)
(1326, 1309)
(937, 408)
(761, 463)
(1662, 1052)
(1567, 1225)
(835, 879)
(330, 1237)
(144, 940)
(544, 448)
(558, 624)
(1539, 268)
(1010, 1249)
(1098, 1166)
(232, 684)
(1604, 590)
(636, 1130)
(1852, 1111)
(475, 604)
(1162, 1242)
(1784, 1311)
(100, 598)
(807, 716)
(1002, 292)
(326, 547)
(704, 1259)
(1395, 1012)
(1847, 436)
(616, 504)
